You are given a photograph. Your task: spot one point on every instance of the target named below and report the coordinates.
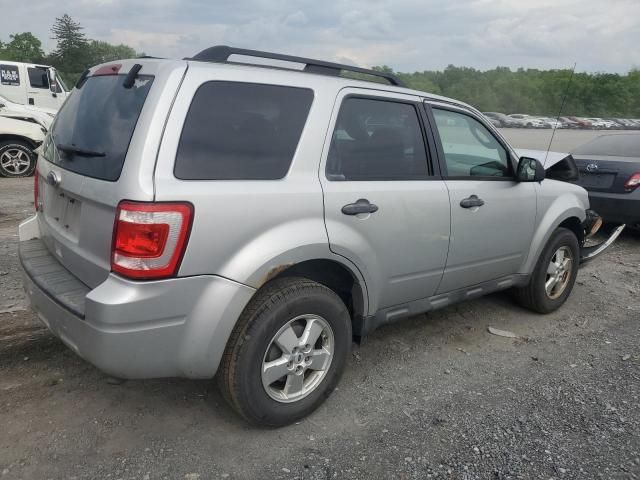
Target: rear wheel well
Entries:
(575, 225)
(335, 276)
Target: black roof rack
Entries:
(221, 54)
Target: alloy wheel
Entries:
(298, 358)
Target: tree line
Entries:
(532, 91)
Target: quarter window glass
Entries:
(38, 78)
(470, 150)
(377, 140)
(241, 131)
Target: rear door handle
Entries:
(472, 201)
(361, 206)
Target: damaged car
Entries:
(209, 217)
(22, 130)
(610, 171)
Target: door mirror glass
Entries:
(52, 80)
(530, 170)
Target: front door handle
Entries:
(361, 206)
(472, 201)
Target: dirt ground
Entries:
(435, 396)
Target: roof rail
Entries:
(221, 54)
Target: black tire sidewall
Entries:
(561, 237)
(252, 397)
(24, 147)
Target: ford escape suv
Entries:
(212, 216)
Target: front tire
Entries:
(16, 159)
(554, 275)
(287, 352)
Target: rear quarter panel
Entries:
(250, 230)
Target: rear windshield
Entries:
(241, 131)
(624, 145)
(93, 128)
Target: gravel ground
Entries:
(435, 396)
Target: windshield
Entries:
(92, 130)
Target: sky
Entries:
(408, 35)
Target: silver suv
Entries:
(205, 216)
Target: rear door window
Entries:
(377, 140)
(241, 131)
(93, 128)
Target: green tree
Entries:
(22, 47)
(101, 52)
(71, 53)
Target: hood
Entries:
(558, 166)
(548, 159)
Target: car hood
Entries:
(548, 159)
(41, 118)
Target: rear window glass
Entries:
(241, 131)
(93, 128)
(625, 145)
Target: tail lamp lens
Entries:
(150, 238)
(633, 182)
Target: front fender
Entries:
(556, 204)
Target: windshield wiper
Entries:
(73, 150)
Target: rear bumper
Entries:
(617, 207)
(175, 327)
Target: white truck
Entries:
(32, 84)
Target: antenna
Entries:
(564, 99)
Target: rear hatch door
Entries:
(100, 150)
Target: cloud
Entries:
(407, 35)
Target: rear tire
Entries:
(16, 159)
(271, 334)
(554, 275)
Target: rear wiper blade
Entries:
(79, 151)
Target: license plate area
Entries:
(597, 180)
(62, 212)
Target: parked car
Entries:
(221, 217)
(569, 123)
(610, 171)
(22, 130)
(505, 120)
(582, 122)
(31, 84)
(551, 122)
(601, 123)
(528, 120)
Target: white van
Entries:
(31, 84)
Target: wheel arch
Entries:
(567, 212)
(4, 137)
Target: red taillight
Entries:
(149, 239)
(36, 189)
(112, 69)
(633, 182)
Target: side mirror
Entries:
(53, 84)
(530, 170)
